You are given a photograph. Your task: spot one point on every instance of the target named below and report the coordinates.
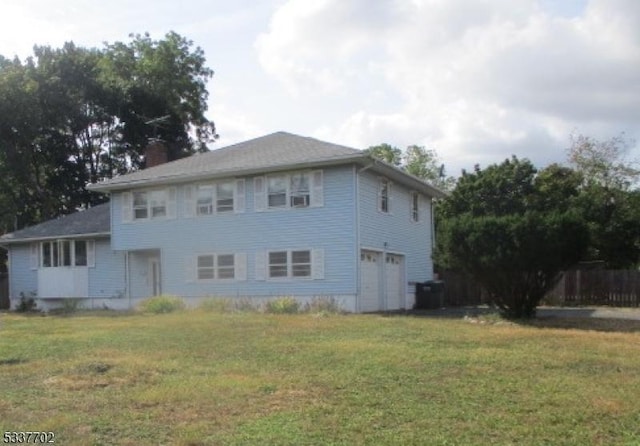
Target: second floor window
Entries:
(214, 198)
(415, 208)
(383, 196)
(292, 190)
(149, 204)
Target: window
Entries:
(224, 200)
(290, 264)
(383, 196)
(227, 196)
(286, 191)
(415, 207)
(64, 252)
(216, 266)
(278, 264)
(158, 203)
(301, 263)
(277, 191)
(206, 270)
(300, 192)
(226, 266)
(149, 204)
(140, 205)
(61, 253)
(204, 200)
(80, 253)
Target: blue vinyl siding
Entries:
(22, 278)
(107, 279)
(402, 236)
(330, 227)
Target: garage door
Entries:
(394, 281)
(370, 266)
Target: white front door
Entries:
(370, 265)
(155, 279)
(394, 281)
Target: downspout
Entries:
(127, 277)
(433, 236)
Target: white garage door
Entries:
(370, 267)
(394, 281)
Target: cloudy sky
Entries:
(477, 80)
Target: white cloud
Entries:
(476, 80)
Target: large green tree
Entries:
(514, 230)
(609, 199)
(73, 116)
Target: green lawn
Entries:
(200, 378)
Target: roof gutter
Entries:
(176, 179)
(7, 241)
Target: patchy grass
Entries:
(208, 378)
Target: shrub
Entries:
(27, 304)
(323, 305)
(283, 305)
(161, 304)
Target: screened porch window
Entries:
(61, 253)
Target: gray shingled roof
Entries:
(95, 220)
(267, 153)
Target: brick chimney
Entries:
(155, 153)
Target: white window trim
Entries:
(192, 191)
(415, 214)
(316, 264)
(239, 268)
(128, 208)
(316, 191)
(382, 181)
(37, 253)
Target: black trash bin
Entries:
(429, 295)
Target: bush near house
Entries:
(161, 304)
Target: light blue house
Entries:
(279, 215)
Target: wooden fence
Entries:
(619, 288)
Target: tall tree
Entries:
(604, 162)
(387, 153)
(608, 199)
(416, 160)
(73, 116)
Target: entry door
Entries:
(394, 281)
(370, 265)
(155, 279)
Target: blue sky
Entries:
(477, 80)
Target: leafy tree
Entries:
(604, 163)
(607, 199)
(73, 116)
(501, 226)
(387, 153)
(416, 160)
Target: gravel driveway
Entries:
(542, 312)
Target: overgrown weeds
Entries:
(161, 304)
